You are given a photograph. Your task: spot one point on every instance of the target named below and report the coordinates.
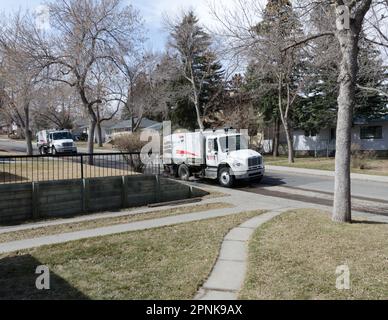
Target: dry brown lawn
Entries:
(160, 264)
(295, 256)
(373, 166)
(46, 169)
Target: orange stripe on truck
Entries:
(183, 152)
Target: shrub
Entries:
(127, 143)
(360, 158)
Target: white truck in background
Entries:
(216, 154)
(55, 142)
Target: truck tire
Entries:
(184, 172)
(225, 178)
(53, 151)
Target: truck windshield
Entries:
(62, 136)
(233, 143)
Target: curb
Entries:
(326, 173)
(228, 274)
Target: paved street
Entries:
(368, 189)
(14, 145)
(20, 146)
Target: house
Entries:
(83, 128)
(367, 134)
(113, 127)
(126, 126)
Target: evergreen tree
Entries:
(275, 73)
(201, 71)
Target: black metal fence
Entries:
(19, 169)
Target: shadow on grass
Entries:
(17, 282)
(6, 177)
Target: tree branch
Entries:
(310, 38)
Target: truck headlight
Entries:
(237, 164)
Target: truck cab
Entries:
(228, 158)
(56, 142)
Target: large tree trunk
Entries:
(92, 130)
(27, 131)
(346, 100)
(99, 134)
(285, 120)
(276, 138)
(132, 123)
(290, 142)
(98, 126)
(197, 109)
(28, 134)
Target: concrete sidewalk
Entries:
(228, 274)
(327, 173)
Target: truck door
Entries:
(212, 152)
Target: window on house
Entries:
(371, 132)
(310, 133)
(333, 134)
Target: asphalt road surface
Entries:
(20, 146)
(15, 145)
(367, 189)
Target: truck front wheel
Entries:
(184, 172)
(225, 178)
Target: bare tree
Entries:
(85, 33)
(350, 22)
(106, 79)
(260, 35)
(55, 106)
(349, 27)
(134, 87)
(20, 75)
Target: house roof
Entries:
(127, 124)
(158, 126)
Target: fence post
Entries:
(157, 189)
(82, 167)
(124, 192)
(85, 195)
(35, 200)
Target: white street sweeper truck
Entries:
(213, 154)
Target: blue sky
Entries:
(151, 10)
